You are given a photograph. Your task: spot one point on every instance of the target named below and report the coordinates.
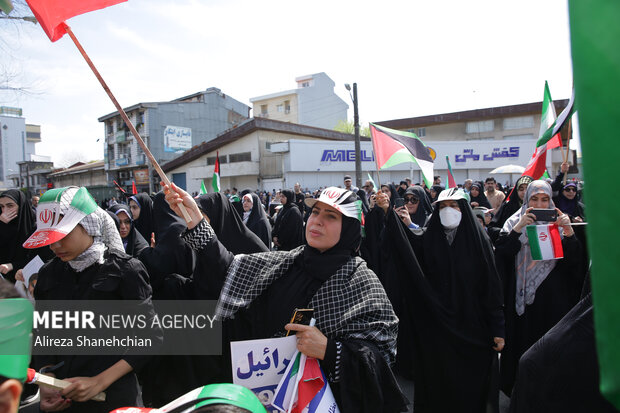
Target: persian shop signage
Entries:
(177, 138)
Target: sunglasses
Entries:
(412, 200)
(570, 189)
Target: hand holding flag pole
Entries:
(120, 110)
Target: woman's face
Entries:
(570, 192)
(135, 209)
(474, 191)
(72, 245)
(521, 191)
(386, 191)
(125, 224)
(539, 201)
(247, 204)
(283, 199)
(449, 204)
(323, 227)
(411, 203)
(8, 206)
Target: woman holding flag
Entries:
(538, 290)
(355, 333)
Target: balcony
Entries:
(120, 136)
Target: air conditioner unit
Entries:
(123, 175)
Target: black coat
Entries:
(555, 296)
(289, 225)
(258, 222)
(120, 277)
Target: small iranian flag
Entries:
(215, 182)
(545, 242)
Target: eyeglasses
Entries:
(570, 189)
(412, 200)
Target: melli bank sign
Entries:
(338, 156)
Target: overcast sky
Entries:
(409, 58)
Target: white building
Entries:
(312, 103)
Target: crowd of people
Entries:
(427, 284)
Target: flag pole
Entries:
(568, 135)
(120, 110)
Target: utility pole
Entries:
(358, 150)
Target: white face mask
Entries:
(449, 217)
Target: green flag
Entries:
(6, 6)
(595, 34)
(203, 188)
(215, 182)
(373, 182)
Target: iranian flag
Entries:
(393, 147)
(545, 242)
(215, 182)
(51, 14)
(451, 181)
(549, 136)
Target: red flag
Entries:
(51, 14)
(310, 384)
(133, 188)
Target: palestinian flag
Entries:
(594, 32)
(393, 147)
(545, 242)
(203, 188)
(550, 138)
(215, 182)
(451, 182)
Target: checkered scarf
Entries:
(98, 225)
(351, 304)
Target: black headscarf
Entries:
(508, 208)
(144, 224)
(16, 232)
(571, 207)
(228, 226)
(437, 189)
(258, 222)
(481, 199)
(393, 193)
(424, 206)
(134, 243)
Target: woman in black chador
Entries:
(355, 333)
(133, 241)
(451, 297)
(537, 293)
(142, 213)
(255, 218)
(17, 222)
(288, 230)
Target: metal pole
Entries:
(358, 151)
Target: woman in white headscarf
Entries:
(90, 264)
(537, 293)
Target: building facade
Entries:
(91, 175)
(34, 176)
(312, 103)
(168, 129)
(17, 144)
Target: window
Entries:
(280, 108)
(287, 107)
(263, 110)
(480, 126)
(421, 132)
(109, 127)
(305, 84)
(520, 122)
(211, 159)
(240, 157)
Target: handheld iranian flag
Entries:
(203, 188)
(215, 182)
(545, 242)
(393, 147)
(549, 135)
(451, 180)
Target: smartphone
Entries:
(301, 316)
(545, 215)
(399, 202)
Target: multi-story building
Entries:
(91, 175)
(168, 129)
(33, 175)
(17, 144)
(313, 103)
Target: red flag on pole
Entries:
(51, 14)
(133, 188)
